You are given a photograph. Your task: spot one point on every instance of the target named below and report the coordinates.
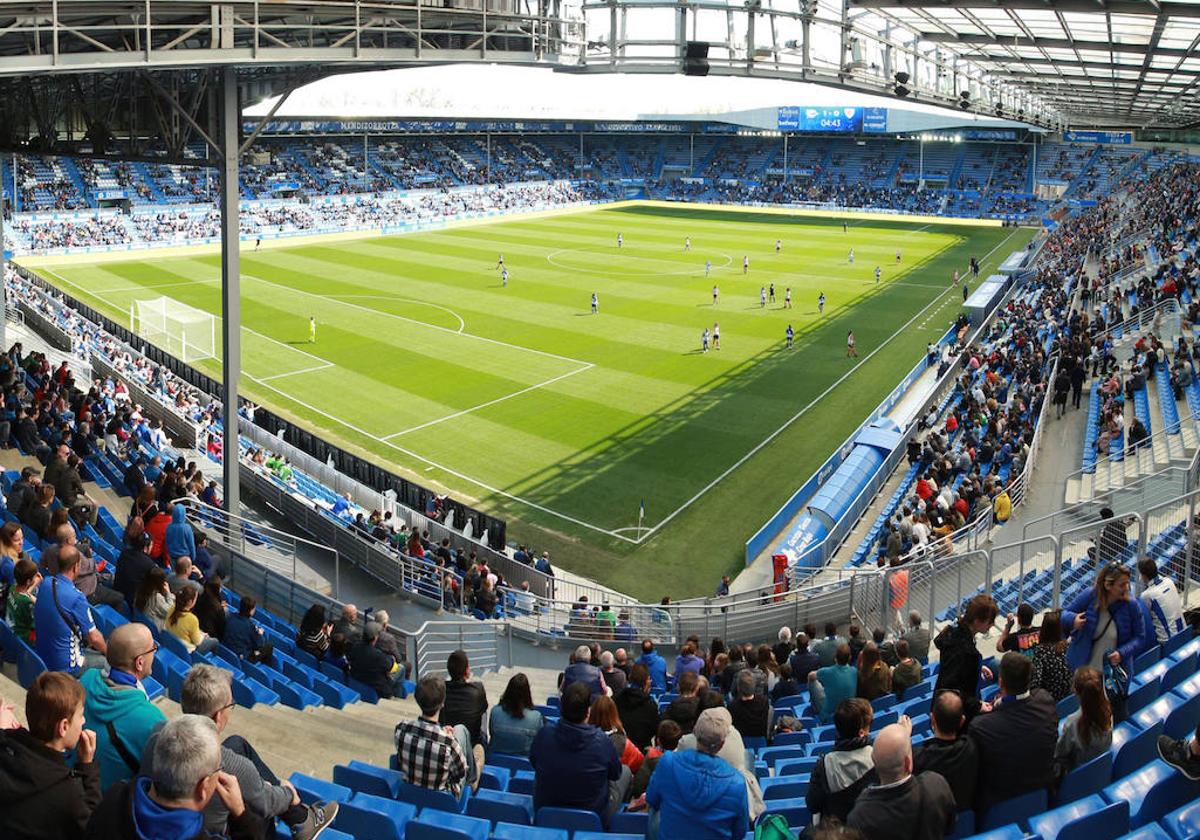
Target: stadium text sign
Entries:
(839, 120)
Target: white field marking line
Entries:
(435, 465)
(550, 259)
(651, 530)
(474, 408)
(160, 285)
(313, 369)
(419, 323)
(431, 464)
(462, 325)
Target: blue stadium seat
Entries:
(792, 739)
(1183, 823)
(601, 835)
(1012, 831)
(521, 781)
(377, 817)
(494, 778)
(783, 787)
(318, 790)
(572, 819)
(1152, 831)
(1143, 694)
(794, 810)
(1132, 748)
(498, 806)
(1178, 715)
(1086, 779)
(439, 825)
(425, 799)
(629, 823)
(366, 778)
(1090, 818)
(512, 762)
(1146, 658)
(964, 826)
(1019, 808)
(509, 831)
(772, 755)
(1152, 791)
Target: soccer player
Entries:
(965, 290)
(850, 351)
(704, 340)
(312, 329)
(504, 277)
(620, 240)
(845, 226)
(877, 273)
(716, 336)
(791, 334)
(771, 293)
(595, 303)
(956, 277)
(687, 243)
(820, 303)
(707, 267)
(851, 258)
(746, 264)
(787, 298)
(716, 294)
(897, 256)
(778, 246)
(257, 243)
(500, 262)
(762, 296)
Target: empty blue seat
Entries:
(365, 778)
(509, 831)
(796, 766)
(771, 755)
(794, 810)
(498, 806)
(1141, 695)
(602, 835)
(1152, 831)
(964, 825)
(440, 825)
(1090, 818)
(377, 817)
(1184, 822)
(512, 762)
(1012, 831)
(1132, 749)
(1152, 791)
(424, 798)
(572, 819)
(1018, 808)
(318, 790)
(629, 823)
(783, 787)
(494, 778)
(1086, 779)
(521, 781)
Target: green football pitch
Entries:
(522, 400)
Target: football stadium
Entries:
(458, 420)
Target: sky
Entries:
(508, 92)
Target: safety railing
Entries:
(431, 644)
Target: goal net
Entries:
(185, 332)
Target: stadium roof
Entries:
(1102, 62)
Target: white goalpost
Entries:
(184, 331)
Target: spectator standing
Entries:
(829, 686)
(133, 562)
(950, 752)
(656, 666)
(67, 638)
(904, 805)
(961, 662)
(846, 770)
(750, 711)
(917, 637)
(1050, 669)
(171, 802)
(582, 670)
(696, 793)
(1161, 599)
(1112, 541)
(1025, 639)
(1105, 623)
(40, 795)
(429, 754)
(466, 704)
(1087, 732)
(638, 710)
(117, 705)
(575, 764)
(1016, 739)
(688, 661)
(513, 722)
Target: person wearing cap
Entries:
(696, 793)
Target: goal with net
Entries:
(185, 332)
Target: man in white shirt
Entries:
(1161, 599)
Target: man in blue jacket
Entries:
(655, 664)
(575, 764)
(697, 794)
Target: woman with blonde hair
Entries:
(603, 715)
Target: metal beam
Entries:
(1116, 7)
(231, 284)
(975, 39)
